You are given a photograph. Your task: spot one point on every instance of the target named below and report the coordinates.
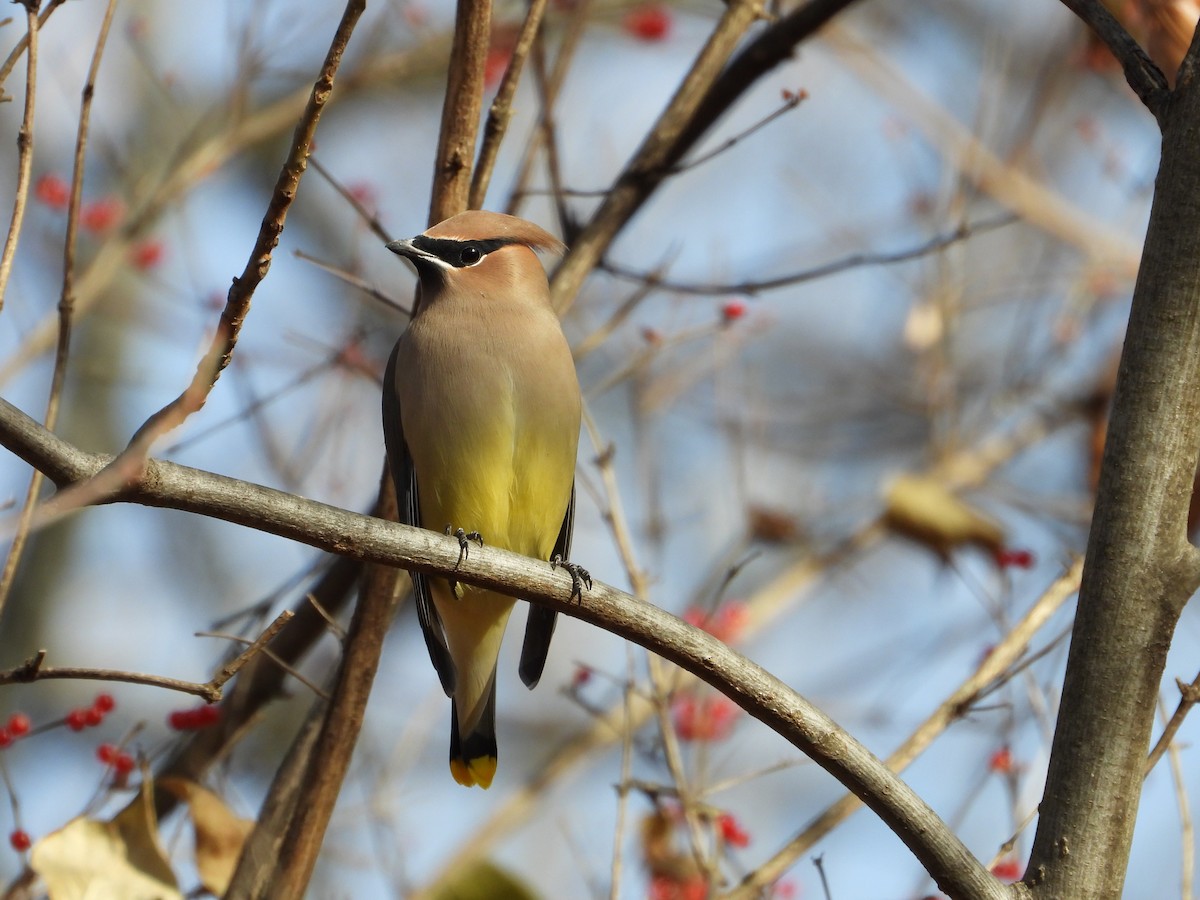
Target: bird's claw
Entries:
(579, 576)
(464, 542)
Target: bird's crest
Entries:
(481, 225)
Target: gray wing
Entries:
(539, 629)
(404, 476)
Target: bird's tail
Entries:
(473, 755)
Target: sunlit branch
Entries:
(164, 484)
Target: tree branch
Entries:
(168, 485)
(1146, 79)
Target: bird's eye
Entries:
(470, 255)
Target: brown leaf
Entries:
(219, 833)
(926, 511)
(772, 526)
(121, 859)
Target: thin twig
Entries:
(501, 110)
(548, 92)
(1189, 696)
(791, 101)
(127, 466)
(1146, 79)
(33, 669)
(66, 309)
(11, 62)
(627, 733)
(834, 267)
(355, 282)
(371, 220)
(24, 153)
(709, 89)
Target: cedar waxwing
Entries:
(481, 414)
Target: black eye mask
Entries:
(459, 254)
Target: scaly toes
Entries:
(579, 576)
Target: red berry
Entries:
(649, 22)
(495, 66)
(1001, 761)
(732, 310)
(52, 191)
(1008, 869)
(101, 215)
(18, 724)
(181, 720)
(147, 255)
(92, 717)
(1020, 559)
(5, 737)
(107, 754)
(19, 838)
(731, 832)
(104, 703)
(123, 764)
(77, 719)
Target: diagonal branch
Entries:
(339, 531)
(1146, 79)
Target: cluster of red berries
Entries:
(192, 719)
(96, 217)
(1015, 559)
(91, 716)
(18, 726)
(117, 759)
(731, 831)
(706, 718)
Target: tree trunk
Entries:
(1140, 568)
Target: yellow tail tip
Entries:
(479, 771)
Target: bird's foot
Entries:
(579, 576)
(464, 542)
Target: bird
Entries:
(481, 417)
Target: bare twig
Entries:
(501, 110)
(1011, 186)
(834, 267)
(66, 310)
(237, 304)
(22, 45)
(211, 691)
(673, 134)
(267, 654)
(126, 466)
(365, 214)
(24, 152)
(1189, 696)
(354, 281)
(790, 101)
(548, 89)
(1146, 79)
